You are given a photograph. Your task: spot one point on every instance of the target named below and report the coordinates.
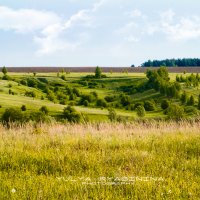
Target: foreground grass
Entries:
(101, 161)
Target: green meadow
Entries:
(13, 94)
(113, 136)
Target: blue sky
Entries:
(97, 32)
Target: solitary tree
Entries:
(4, 70)
(44, 110)
(112, 115)
(140, 111)
(23, 108)
(98, 72)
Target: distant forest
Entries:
(185, 62)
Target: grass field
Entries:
(101, 161)
(135, 158)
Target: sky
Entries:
(97, 32)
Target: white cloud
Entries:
(46, 27)
(26, 20)
(135, 13)
(183, 28)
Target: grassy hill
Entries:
(13, 93)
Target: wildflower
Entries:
(13, 190)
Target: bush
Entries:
(95, 95)
(63, 77)
(13, 115)
(76, 92)
(175, 112)
(86, 103)
(191, 101)
(30, 94)
(89, 98)
(31, 82)
(9, 85)
(125, 100)
(23, 82)
(6, 77)
(110, 98)
(71, 114)
(140, 111)
(138, 104)
(40, 117)
(101, 103)
(112, 115)
(23, 108)
(165, 104)
(149, 105)
(190, 110)
(44, 110)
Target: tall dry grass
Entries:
(39, 161)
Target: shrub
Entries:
(31, 82)
(76, 92)
(71, 114)
(23, 82)
(13, 115)
(165, 104)
(125, 100)
(190, 110)
(40, 117)
(9, 85)
(112, 115)
(89, 98)
(138, 104)
(140, 111)
(86, 103)
(30, 94)
(6, 77)
(101, 103)
(63, 77)
(149, 105)
(175, 112)
(184, 98)
(94, 94)
(23, 108)
(110, 98)
(44, 110)
(191, 101)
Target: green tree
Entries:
(44, 110)
(13, 115)
(140, 111)
(98, 72)
(184, 98)
(23, 108)
(175, 112)
(191, 100)
(164, 104)
(4, 70)
(149, 105)
(71, 114)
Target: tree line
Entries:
(185, 62)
